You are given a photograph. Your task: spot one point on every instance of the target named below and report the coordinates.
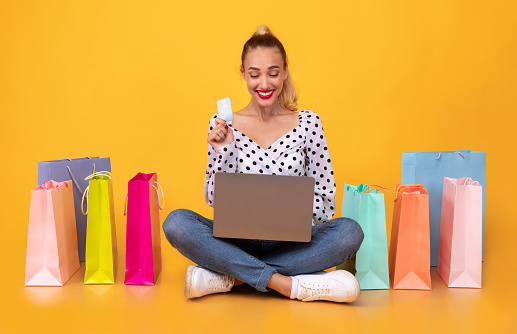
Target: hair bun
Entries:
(262, 30)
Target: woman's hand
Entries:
(221, 135)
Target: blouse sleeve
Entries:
(222, 159)
(319, 166)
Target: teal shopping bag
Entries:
(366, 206)
(429, 169)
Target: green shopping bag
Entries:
(370, 265)
(101, 240)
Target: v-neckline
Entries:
(276, 141)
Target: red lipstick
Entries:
(265, 94)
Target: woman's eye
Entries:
(274, 75)
(253, 76)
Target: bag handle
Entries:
(151, 185)
(102, 173)
(163, 197)
(72, 175)
(365, 190)
(440, 155)
(468, 182)
(400, 190)
(73, 179)
(397, 191)
(86, 191)
(85, 194)
(382, 189)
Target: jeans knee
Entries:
(175, 225)
(358, 235)
(352, 235)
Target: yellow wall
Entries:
(137, 81)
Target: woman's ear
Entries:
(286, 72)
(242, 72)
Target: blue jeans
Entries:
(254, 261)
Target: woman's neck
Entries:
(263, 113)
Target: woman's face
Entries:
(264, 73)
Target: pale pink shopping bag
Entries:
(143, 250)
(460, 243)
(52, 256)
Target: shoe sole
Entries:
(188, 281)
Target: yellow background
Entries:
(137, 81)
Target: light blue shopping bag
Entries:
(429, 169)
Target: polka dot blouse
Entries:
(303, 151)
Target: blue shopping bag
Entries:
(366, 206)
(75, 170)
(429, 169)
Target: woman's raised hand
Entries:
(220, 135)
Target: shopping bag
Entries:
(429, 169)
(409, 258)
(101, 240)
(366, 206)
(51, 240)
(143, 250)
(75, 170)
(459, 251)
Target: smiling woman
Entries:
(268, 136)
(264, 39)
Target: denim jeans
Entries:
(254, 261)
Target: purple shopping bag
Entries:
(143, 250)
(75, 170)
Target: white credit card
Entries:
(224, 109)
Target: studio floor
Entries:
(79, 308)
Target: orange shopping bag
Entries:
(409, 255)
(52, 256)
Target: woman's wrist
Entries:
(220, 147)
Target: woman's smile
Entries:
(265, 94)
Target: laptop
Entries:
(266, 207)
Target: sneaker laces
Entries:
(220, 282)
(311, 291)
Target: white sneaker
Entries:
(337, 286)
(201, 282)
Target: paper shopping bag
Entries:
(143, 250)
(101, 240)
(409, 258)
(429, 169)
(459, 251)
(51, 240)
(75, 170)
(366, 206)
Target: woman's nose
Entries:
(264, 83)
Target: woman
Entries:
(268, 136)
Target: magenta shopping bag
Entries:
(461, 228)
(143, 250)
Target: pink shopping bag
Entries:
(143, 250)
(460, 243)
(52, 256)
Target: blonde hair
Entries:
(263, 37)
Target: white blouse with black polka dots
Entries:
(303, 151)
